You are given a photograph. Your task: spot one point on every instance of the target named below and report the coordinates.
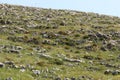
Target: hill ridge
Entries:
(49, 44)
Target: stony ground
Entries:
(46, 44)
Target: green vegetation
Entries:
(46, 44)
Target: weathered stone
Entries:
(111, 44)
(85, 78)
(73, 60)
(36, 72)
(58, 78)
(1, 65)
(108, 72)
(33, 40)
(10, 78)
(112, 72)
(19, 48)
(66, 78)
(44, 55)
(88, 57)
(63, 23)
(46, 42)
(102, 36)
(89, 47)
(115, 72)
(73, 78)
(14, 51)
(93, 69)
(16, 39)
(21, 30)
(22, 70)
(9, 62)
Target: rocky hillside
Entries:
(47, 44)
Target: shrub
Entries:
(41, 63)
(77, 35)
(57, 61)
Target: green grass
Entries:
(77, 27)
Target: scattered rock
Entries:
(36, 72)
(9, 63)
(73, 60)
(58, 78)
(66, 78)
(45, 55)
(88, 57)
(1, 65)
(102, 36)
(14, 51)
(108, 71)
(73, 78)
(10, 78)
(93, 69)
(85, 78)
(112, 72)
(22, 70)
(116, 72)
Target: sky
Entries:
(108, 7)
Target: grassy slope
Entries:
(70, 26)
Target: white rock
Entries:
(36, 72)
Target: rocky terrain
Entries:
(47, 44)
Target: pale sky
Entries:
(108, 7)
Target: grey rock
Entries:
(42, 50)
(22, 67)
(88, 57)
(102, 35)
(73, 78)
(115, 72)
(45, 36)
(9, 62)
(73, 60)
(2, 65)
(66, 78)
(10, 78)
(58, 78)
(45, 55)
(85, 78)
(36, 72)
(22, 70)
(46, 42)
(93, 69)
(14, 51)
(110, 45)
(19, 47)
(108, 72)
